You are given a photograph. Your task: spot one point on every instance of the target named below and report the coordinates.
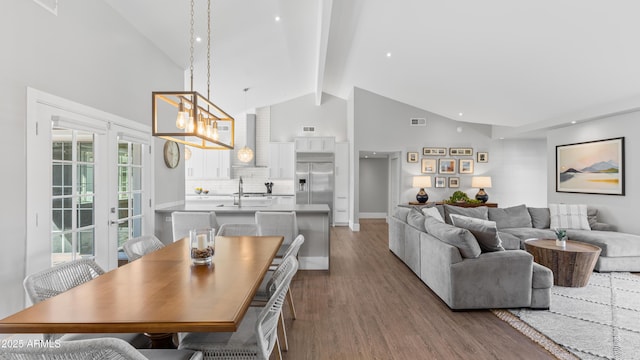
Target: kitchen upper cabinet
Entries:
(208, 164)
(315, 144)
(341, 184)
(281, 160)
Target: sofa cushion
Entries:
(415, 218)
(479, 212)
(540, 218)
(509, 241)
(433, 212)
(530, 233)
(458, 237)
(485, 231)
(401, 213)
(613, 244)
(511, 217)
(569, 216)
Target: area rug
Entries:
(599, 321)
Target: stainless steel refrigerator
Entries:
(314, 179)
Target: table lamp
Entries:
(422, 182)
(481, 182)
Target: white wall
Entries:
(382, 124)
(330, 118)
(87, 54)
(620, 211)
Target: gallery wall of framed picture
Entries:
(448, 162)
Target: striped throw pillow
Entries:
(569, 216)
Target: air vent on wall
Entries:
(308, 130)
(51, 5)
(418, 122)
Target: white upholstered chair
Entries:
(139, 246)
(103, 348)
(182, 222)
(58, 279)
(239, 230)
(278, 223)
(257, 335)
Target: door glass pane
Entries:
(137, 204)
(136, 179)
(85, 212)
(123, 180)
(123, 233)
(86, 243)
(136, 225)
(123, 153)
(123, 206)
(85, 179)
(136, 154)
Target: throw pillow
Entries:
(458, 237)
(569, 216)
(485, 232)
(479, 212)
(433, 212)
(511, 217)
(540, 218)
(416, 219)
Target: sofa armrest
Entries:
(603, 227)
(494, 280)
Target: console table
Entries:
(469, 205)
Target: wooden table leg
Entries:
(163, 340)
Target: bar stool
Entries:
(182, 222)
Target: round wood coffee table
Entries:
(571, 265)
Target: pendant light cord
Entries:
(191, 40)
(208, 49)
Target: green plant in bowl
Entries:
(461, 197)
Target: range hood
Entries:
(250, 141)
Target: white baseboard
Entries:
(373, 215)
(354, 226)
(313, 263)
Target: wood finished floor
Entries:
(371, 306)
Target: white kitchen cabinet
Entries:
(341, 184)
(284, 200)
(315, 144)
(281, 160)
(208, 164)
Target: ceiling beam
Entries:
(324, 24)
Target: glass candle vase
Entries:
(202, 246)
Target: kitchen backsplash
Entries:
(253, 180)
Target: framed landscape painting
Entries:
(429, 166)
(594, 167)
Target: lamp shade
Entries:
(481, 182)
(422, 181)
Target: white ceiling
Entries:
(514, 63)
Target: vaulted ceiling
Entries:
(514, 63)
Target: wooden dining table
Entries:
(160, 293)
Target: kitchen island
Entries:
(313, 223)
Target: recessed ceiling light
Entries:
(366, 156)
(198, 39)
(374, 153)
(388, 54)
(573, 122)
(460, 114)
(277, 18)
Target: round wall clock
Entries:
(171, 154)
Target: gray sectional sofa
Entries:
(497, 279)
(440, 257)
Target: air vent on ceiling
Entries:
(51, 5)
(308, 130)
(418, 122)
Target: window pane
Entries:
(123, 153)
(123, 206)
(66, 179)
(123, 180)
(136, 179)
(85, 212)
(123, 233)
(137, 227)
(85, 179)
(137, 204)
(56, 179)
(61, 150)
(86, 242)
(85, 147)
(136, 154)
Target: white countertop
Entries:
(303, 208)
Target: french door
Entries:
(89, 175)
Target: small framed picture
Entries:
(447, 166)
(412, 157)
(429, 166)
(454, 182)
(482, 157)
(441, 181)
(434, 151)
(466, 166)
(460, 152)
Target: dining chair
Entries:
(182, 222)
(257, 335)
(238, 230)
(142, 245)
(58, 279)
(265, 290)
(278, 223)
(102, 348)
